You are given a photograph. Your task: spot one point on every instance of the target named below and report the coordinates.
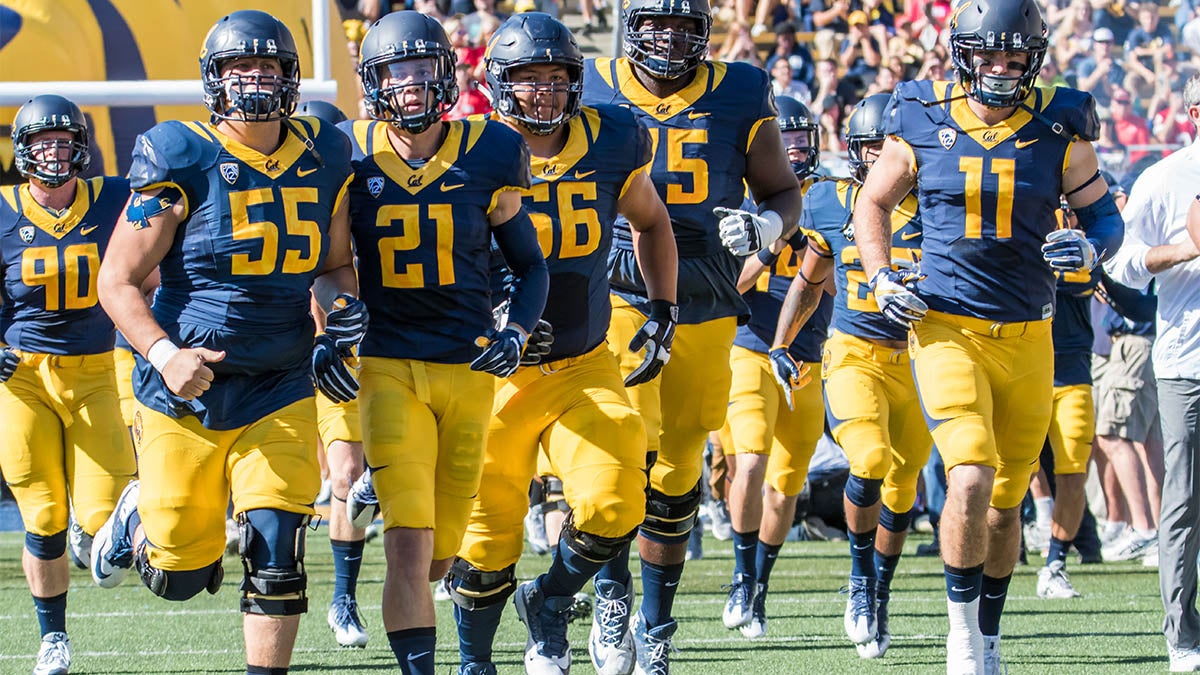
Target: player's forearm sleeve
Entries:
(1102, 222)
(531, 278)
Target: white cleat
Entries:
(112, 548)
(1054, 584)
(345, 622)
(993, 664)
(739, 607)
(54, 656)
(1184, 660)
(757, 627)
(859, 620)
(362, 505)
(610, 643)
(964, 652)
(79, 544)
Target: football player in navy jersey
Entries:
(715, 133)
(64, 442)
(588, 164)
(989, 157)
(243, 216)
(427, 201)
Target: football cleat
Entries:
(535, 531)
(1184, 660)
(722, 526)
(741, 598)
(964, 652)
(695, 547)
(757, 627)
(477, 668)
(112, 548)
(1054, 584)
(581, 608)
(362, 506)
(610, 643)
(653, 646)
(233, 536)
(859, 620)
(326, 492)
(883, 636)
(547, 651)
(992, 663)
(1037, 538)
(79, 544)
(54, 656)
(347, 625)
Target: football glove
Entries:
(346, 323)
(656, 335)
(502, 352)
(789, 374)
(895, 297)
(538, 344)
(745, 233)
(331, 374)
(1069, 251)
(9, 360)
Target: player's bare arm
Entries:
(653, 238)
(803, 296)
(890, 179)
(770, 177)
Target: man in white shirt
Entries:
(1157, 246)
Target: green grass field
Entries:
(1114, 628)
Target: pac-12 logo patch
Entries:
(229, 171)
(947, 137)
(27, 234)
(375, 185)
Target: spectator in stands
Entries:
(1111, 152)
(783, 84)
(739, 46)
(481, 23)
(904, 46)
(1131, 129)
(1099, 73)
(1114, 15)
(928, 19)
(471, 101)
(860, 53)
(1187, 21)
(1072, 39)
(1172, 125)
(885, 82)
(933, 66)
(832, 113)
(1148, 46)
(832, 15)
(831, 86)
(432, 8)
(467, 52)
(1049, 75)
(786, 47)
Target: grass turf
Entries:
(1114, 628)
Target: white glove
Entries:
(745, 233)
(895, 298)
(1069, 251)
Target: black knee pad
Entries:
(670, 519)
(176, 586)
(593, 547)
(46, 547)
(471, 588)
(271, 544)
(863, 492)
(552, 496)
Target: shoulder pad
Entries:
(503, 141)
(170, 152)
(1075, 110)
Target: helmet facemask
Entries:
(51, 161)
(804, 160)
(510, 92)
(427, 76)
(997, 91)
(856, 147)
(666, 54)
(252, 97)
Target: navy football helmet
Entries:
(666, 55)
(407, 36)
(997, 26)
(532, 38)
(42, 159)
(865, 127)
(250, 98)
(322, 110)
(795, 116)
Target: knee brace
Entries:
(669, 520)
(894, 522)
(593, 547)
(863, 492)
(551, 496)
(176, 586)
(471, 588)
(46, 547)
(271, 544)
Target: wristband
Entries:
(766, 257)
(160, 352)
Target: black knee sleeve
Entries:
(471, 588)
(594, 547)
(552, 495)
(176, 586)
(670, 519)
(46, 547)
(271, 544)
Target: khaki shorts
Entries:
(1125, 390)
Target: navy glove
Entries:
(331, 374)
(893, 289)
(9, 360)
(538, 344)
(346, 323)
(656, 335)
(1069, 251)
(502, 353)
(789, 374)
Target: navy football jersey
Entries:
(423, 237)
(701, 135)
(988, 195)
(1072, 327)
(237, 277)
(51, 261)
(826, 219)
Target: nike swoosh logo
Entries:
(414, 657)
(906, 236)
(1026, 144)
(85, 231)
(670, 584)
(863, 548)
(447, 188)
(301, 173)
(349, 559)
(956, 589)
(994, 597)
(697, 115)
(746, 548)
(580, 175)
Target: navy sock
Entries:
(963, 584)
(477, 631)
(568, 572)
(991, 605)
(617, 569)
(659, 583)
(765, 560)
(413, 648)
(1058, 550)
(52, 613)
(347, 558)
(885, 569)
(745, 551)
(862, 554)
